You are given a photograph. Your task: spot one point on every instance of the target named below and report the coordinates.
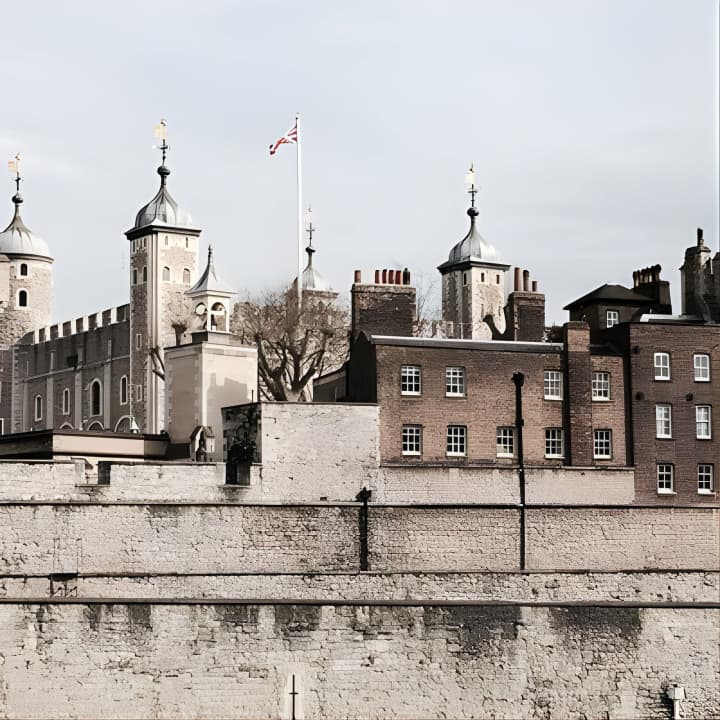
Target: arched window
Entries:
(123, 390)
(95, 398)
(166, 274)
(23, 269)
(22, 298)
(134, 282)
(186, 276)
(217, 317)
(66, 401)
(38, 408)
(144, 273)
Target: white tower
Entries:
(473, 281)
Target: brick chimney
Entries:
(647, 282)
(385, 307)
(525, 311)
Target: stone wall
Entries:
(684, 586)
(93, 660)
(40, 538)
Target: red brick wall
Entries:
(683, 450)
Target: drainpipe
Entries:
(519, 379)
(363, 496)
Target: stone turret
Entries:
(700, 278)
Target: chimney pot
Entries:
(377, 277)
(398, 277)
(526, 280)
(534, 286)
(358, 276)
(517, 278)
(391, 277)
(384, 276)
(700, 237)
(406, 277)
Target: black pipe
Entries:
(519, 379)
(363, 496)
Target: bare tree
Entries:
(293, 346)
(428, 322)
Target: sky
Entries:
(592, 126)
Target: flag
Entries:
(291, 136)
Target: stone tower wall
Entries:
(17, 321)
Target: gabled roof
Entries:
(617, 294)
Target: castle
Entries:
(482, 523)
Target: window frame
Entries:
(666, 470)
(658, 434)
(598, 384)
(553, 435)
(123, 390)
(660, 367)
(22, 292)
(411, 435)
(95, 383)
(139, 393)
(708, 470)
(166, 274)
(38, 408)
(615, 318)
(706, 369)
(23, 266)
(408, 373)
(549, 382)
(504, 433)
(66, 401)
(455, 439)
(698, 422)
(608, 443)
(458, 380)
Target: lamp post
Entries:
(518, 379)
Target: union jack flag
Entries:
(291, 137)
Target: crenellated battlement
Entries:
(102, 318)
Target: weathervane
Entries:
(14, 167)
(470, 182)
(160, 132)
(310, 229)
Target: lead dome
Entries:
(18, 239)
(163, 209)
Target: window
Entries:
(139, 392)
(186, 276)
(665, 478)
(553, 442)
(166, 241)
(612, 317)
(411, 440)
(166, 274)
(95, 398)
(601, 386)
(602, 444)
(497, 279)
(482, 277)
(2, 426)
(662, 365)
(705, 478)
(138, 341)
(455, 381)
(66, 402)
(23, 270)
(410, 380)
(465, 277)
(553, 385)
(701, 362)
(663, 421)
(703, 429)
(135, 277)
(22, 298)
(144, 273)
(187, 242)
(38, 408)
(456, 440)
(123, 390)
(505, 441)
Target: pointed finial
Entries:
(160, 132)
(309, 230)
(14, 167)
(210, 257)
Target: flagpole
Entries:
(299, 211)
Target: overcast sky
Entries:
(593, 126)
